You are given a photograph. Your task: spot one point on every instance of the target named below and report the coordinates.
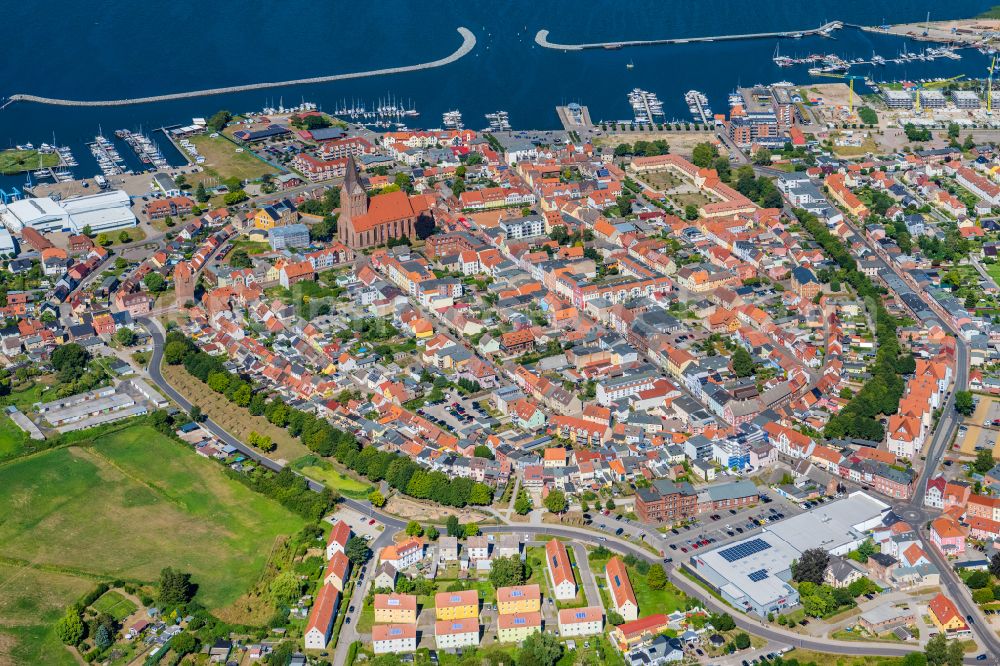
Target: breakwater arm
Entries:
(542, 38)
(468, 43)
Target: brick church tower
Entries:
(184, 283)
(353, 197)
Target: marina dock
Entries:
(542, 38)
(574, 117)
(468, 43)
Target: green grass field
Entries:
(324, 472)
(12, 438)
(994, 271)
(24, 397)
(132, 504)
(30, 602)
(221, 157)
(17, 161)
(115, 605)
(669, 598)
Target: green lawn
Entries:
(26, 396)
(33, 644)
(324, 472)
(17, 161)
(822, 659)
(30, 603)
(994, 271)
(132, 504)
(115, 605)
(223, 160)
(251, 247)
(12, 438)
(668, 599)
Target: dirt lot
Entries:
(831, 94)
(232, 418)
(409, 509)
(962, 30)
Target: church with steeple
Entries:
(371, 221)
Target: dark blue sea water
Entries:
(104, 49)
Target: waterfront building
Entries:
(898, 99)
(102, 212)
(965, 99)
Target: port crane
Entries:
(851, 78)
(989, 88)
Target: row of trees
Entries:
(881, 393)
(643, 148)
(319, 436)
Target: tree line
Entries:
(882, 392)
(319, 436)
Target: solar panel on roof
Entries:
(757, 576)
(519, 620)
(456, 626)
(455, 599)
(580, 615)
(395, 632)
(516, 593)
(739, 551)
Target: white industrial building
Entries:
(753, 574)
(7, 248)
(102, 212)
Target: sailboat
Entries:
(630, 64)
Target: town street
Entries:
(594, 538)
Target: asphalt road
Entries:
(156, 333)
(913, 510)
(745, 622)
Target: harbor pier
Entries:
(542, 38)
(468, 43)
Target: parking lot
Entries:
(982, 429)
(361, 524)
(705, 531)
(457, 413)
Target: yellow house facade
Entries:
(519, 599)
(456, 605)
(395, 608)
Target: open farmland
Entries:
(78, 515)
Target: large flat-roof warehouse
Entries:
(753, 574)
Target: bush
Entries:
(978, 580)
